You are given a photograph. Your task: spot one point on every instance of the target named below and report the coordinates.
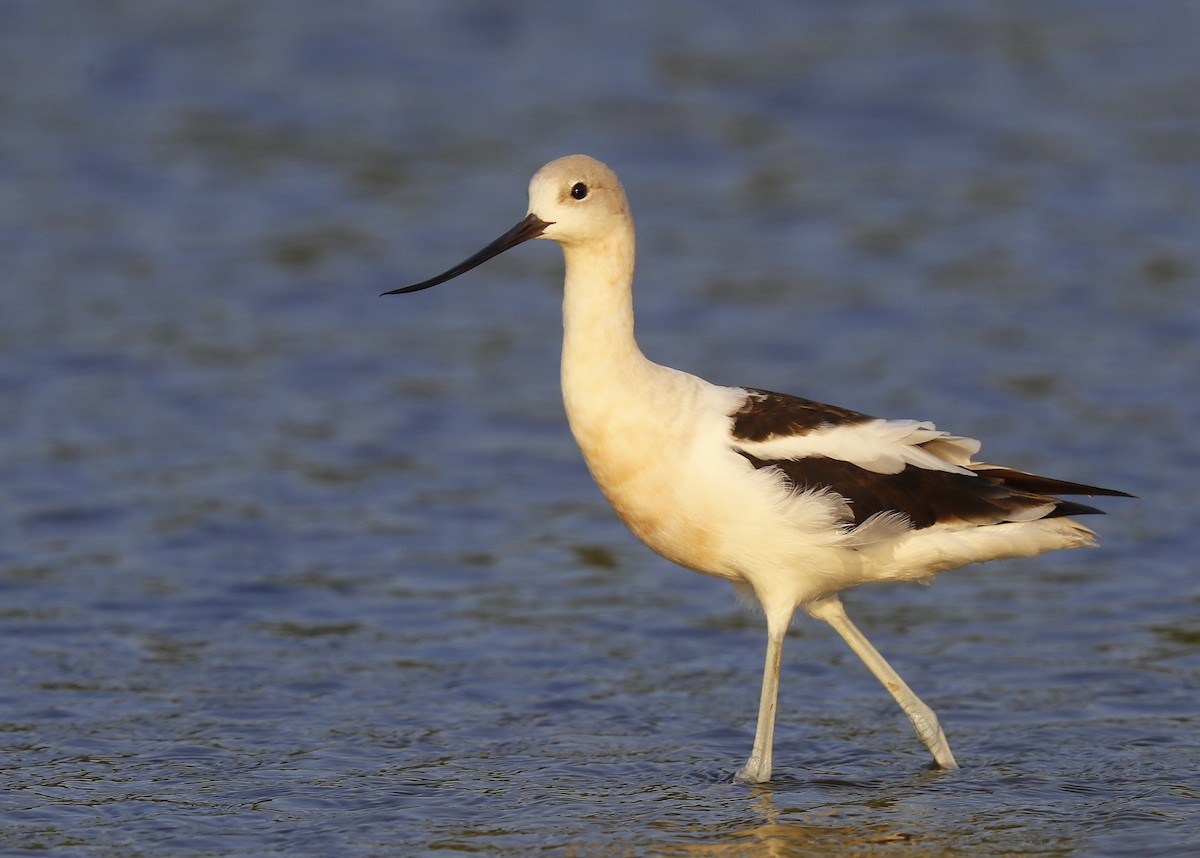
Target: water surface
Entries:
(287, 568)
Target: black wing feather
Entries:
(925, 497)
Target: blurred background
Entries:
(289, 568)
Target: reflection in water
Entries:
(772, 838)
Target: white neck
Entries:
(603, 369)
(598, 307)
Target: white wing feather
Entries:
(880, 446)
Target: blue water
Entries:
(287, 568)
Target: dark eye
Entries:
(579, 190)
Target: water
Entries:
(287, 568)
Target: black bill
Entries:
(531, 227)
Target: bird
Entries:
(791, 500)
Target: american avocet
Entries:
(790, 500)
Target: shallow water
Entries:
(286, 568)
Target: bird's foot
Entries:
(943, 757)
(756, 771)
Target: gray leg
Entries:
(923, 718)
(758, 768)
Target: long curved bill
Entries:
(531, 227)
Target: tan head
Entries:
(579, 198)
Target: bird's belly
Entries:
(673, 509)
(666, 523)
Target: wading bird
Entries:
(790, 500)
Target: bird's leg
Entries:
(929, 730)
(758, 768)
